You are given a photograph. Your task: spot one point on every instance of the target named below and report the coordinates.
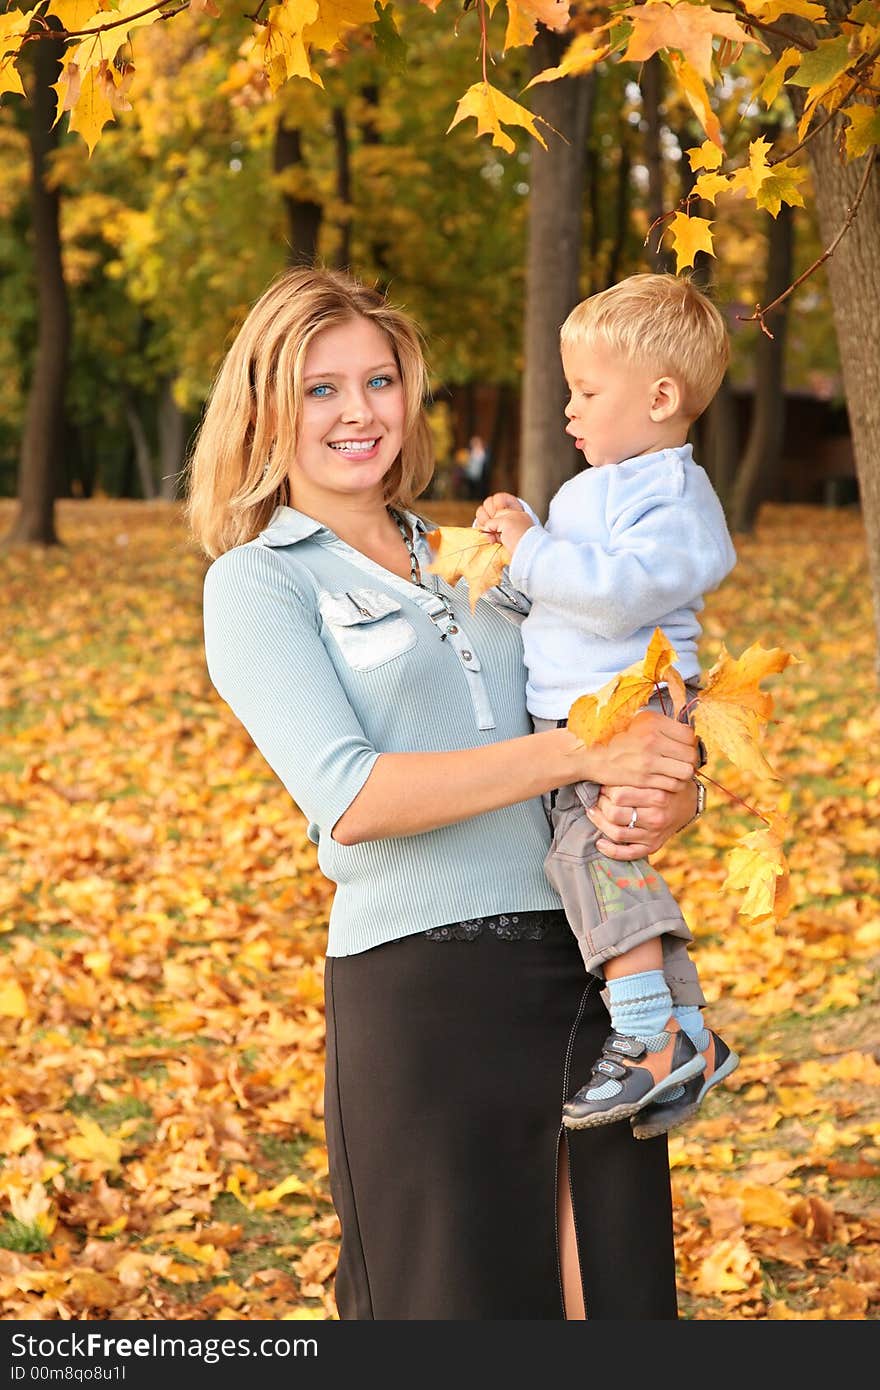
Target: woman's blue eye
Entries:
(319, 391)
(379, 381)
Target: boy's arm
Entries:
(664, 557)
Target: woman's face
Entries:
(351, 430)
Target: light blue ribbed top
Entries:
(329, 660)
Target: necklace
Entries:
(415, 571)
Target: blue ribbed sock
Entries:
(690, 1020)
(640, 1005)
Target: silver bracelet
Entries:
(701, 803)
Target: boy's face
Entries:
(617, 409)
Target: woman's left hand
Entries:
(659, 814)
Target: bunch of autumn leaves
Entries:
(729, 715)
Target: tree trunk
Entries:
(854, 279)
(719, 448)
(622, 205)
(343, 187)
(142, 452)
(652, 124)
(44, 431)
(303, 215)
(172, 443)
(547, 455)
(760, 462)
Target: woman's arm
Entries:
(407, 793)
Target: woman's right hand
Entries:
(655, 752)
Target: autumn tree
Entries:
(825, 56)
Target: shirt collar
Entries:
(685, 452)
(287, 526)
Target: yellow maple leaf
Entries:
(693, 89)
(753, 174)
(770, 87)
(280, 37)
(768, 10)
(688, 28)
(463, 552)
(35, 1209)
(781, 187)
(757, 864)
(525, 15)
(729, 1268)
(766, 1206)
(335, 19)
(93, 1146)
(492, 110)
(863, 130)
(705, 156)
(708, 186)
(732, 707)
(13, 1002)
(597, 717)
(689, 235)
(90, 109)
(581, 56)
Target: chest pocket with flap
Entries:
(367, 626)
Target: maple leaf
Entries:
(768, 10)
(525, 15)
(757, 864)
(863, 130)
(782, 187)
(597, 717)
(280, 37)
(335, 19)
(705, 156)
(688, 28)
(756, 171)
(583, 54)
(492, 110)
(92, 1145)
(708, 186)
(770, 87)
(732, 708)
(689, 235)
(35, 1209)
(693, 90)
(462, 552)
(820, 68)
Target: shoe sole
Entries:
(651, 1129)
(629, 1108)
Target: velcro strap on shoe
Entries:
(625, 1047)
(608, 1068)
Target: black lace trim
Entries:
(508, 926)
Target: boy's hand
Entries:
(498, 502)
(503, 517)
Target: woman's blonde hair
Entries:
(658, 320)
(249, 431)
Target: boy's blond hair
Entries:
(657, 320)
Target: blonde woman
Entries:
(396, 719)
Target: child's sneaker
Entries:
(721, 1061)
(630, 1074)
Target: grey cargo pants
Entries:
(611, 904)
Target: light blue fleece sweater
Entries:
(329, 660)
(626, 548)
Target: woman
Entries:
(396, 719)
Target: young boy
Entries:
(631, 543)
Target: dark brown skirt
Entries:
(447, 1064)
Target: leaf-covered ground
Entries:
(162, 923)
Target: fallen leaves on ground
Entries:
(162, 924)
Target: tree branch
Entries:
(758, 315)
